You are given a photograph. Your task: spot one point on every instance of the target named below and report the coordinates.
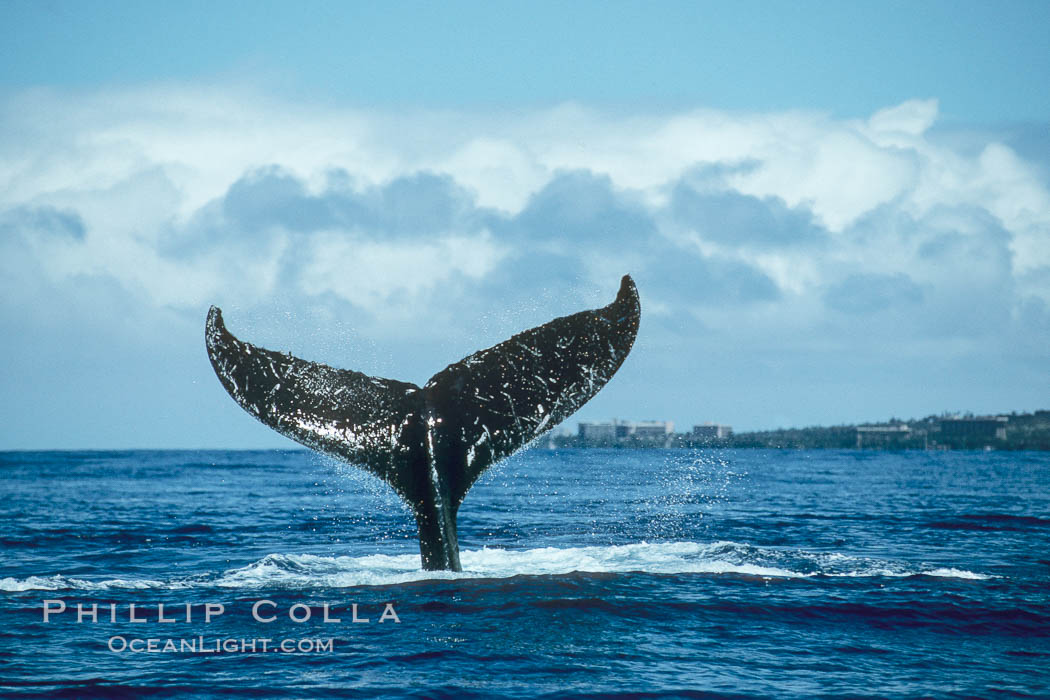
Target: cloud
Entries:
(693, 280)
(270, 197)
(412, 205)
(581, 207)
(870, 293)
(372, 275)
(30, 221)
(909, 119)
(776, 238)
(738, 219)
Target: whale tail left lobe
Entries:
(432, 443)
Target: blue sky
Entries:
(834, 211)
(983, 61)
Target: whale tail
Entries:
(432, 443)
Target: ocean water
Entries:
(588, 573)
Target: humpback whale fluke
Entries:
(432, 443)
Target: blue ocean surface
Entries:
(588, 573)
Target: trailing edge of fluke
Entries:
(432, 443)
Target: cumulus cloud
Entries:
(738, 219)
(785, 234)
(42, 221)
(584, 207)
(869, 293)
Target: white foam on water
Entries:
(299, 571)
(62, 583)
(957, 573)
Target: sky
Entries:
(834, 212)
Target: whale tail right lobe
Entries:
(431, 444)
(499, 399)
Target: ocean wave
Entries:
(299, 571)
(991, 521)
(69, 583)
(956, 573)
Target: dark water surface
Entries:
(788, 574)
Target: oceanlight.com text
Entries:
(120, 644)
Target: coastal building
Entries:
(651, 430)
(712, 431)
(597, 432)
(654, 433)
(965, 430)
(890, 435)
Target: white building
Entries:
(651, 429)
(659, 432)
(598, 432)
(712, 431)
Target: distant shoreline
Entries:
(1013, 431)
(1004, 431)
